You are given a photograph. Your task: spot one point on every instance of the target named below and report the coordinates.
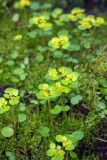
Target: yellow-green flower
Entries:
(64, 71)
(66, 142)
(59, 87)
(99, 21)
(3, 105)
(76, 14)
(55, 43)
(69, 78)
(55, 151)
(47, 91)
(42, 22)
(77, 11)
(53, 74)
(60, 42)
(86, 22)
(90, 21)
(64, 41)
(39, 19)
(12, 95)
(25, 2)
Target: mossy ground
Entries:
(27, 143)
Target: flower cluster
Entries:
(64, 143)
(61, 82)
(76, 14)
(90, 22)
(60, 42)
(67, 143)
(10, 97)
(42, 22)
(56, 151)
(47, 91)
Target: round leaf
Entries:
(7, 132)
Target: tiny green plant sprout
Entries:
(64, 146)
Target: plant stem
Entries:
(51, 122)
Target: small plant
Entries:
(90, 22)
(64, 146)
(61, 81)
(8, 102)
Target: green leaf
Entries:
(14, 55)
(10, 155)
(46, 5)
(44, 131)
(15, 17)
(76, 99)
(77, 135)
(41, 48)
(39, 58)
(18, 71)
(32, 34)
(65, 108)
(26, 60)
(21, 117)
(73, 155)
(50, 152)
(57, 54)
(103, 82)
(35, 5)
(100, 106)
(74, 47)
(7, 132)
(22, 107)
(52, 145)
(63, 32)
(56, 110)
(58, 138)
(57, 158)
(103, 91)
(70, 148)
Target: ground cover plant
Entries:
(53, 82)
